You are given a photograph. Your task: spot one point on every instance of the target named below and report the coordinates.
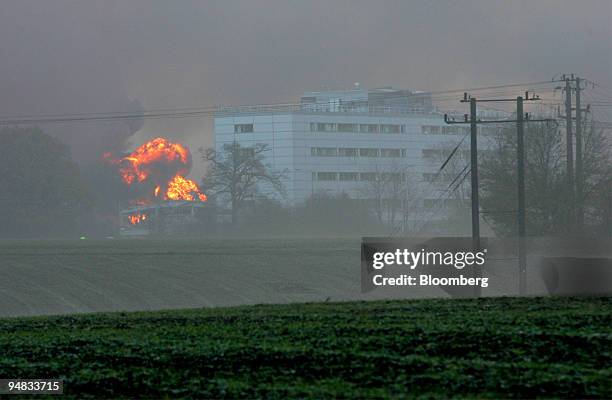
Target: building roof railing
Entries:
(319, 108)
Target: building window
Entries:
(451, 130)
(323, 151)
(355, 128)
(347, 127)
(442, 130)
(392, 176)
(386, 128)
(326, 176)
(431, 177)
(403, 152)
(349, 176)
(368, 176)
(368, 152)
(436, 153)
(243, 128)
(437, 130)
(390, 153)
(242, 153)
(429, 153)
(347, 152)
(325, 127)
(368, 128)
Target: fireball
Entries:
(159, 164)
(180, 188)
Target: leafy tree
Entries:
(42, 191)
(235, 174)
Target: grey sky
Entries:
(80, 56)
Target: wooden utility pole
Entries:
(570, 150)
(520, 161)
(520, 119)
(475, 199)
(575, 168)
(579, 164)
(474, 175)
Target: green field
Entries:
(502, 347)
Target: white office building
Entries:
(337, 142)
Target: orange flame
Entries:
(152, 162)
(138, 166)
(180, 188)
(137, 218)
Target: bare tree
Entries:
(595, 193)
(451, 185)
(236, 172)
(390, 193)
(548, 197)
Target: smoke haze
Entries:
(74, 56)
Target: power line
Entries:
(206, 111)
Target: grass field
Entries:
(46, 277)
(69, 276)
(496, 347)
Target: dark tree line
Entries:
(41, 190)
(549, 203)
(45, 194)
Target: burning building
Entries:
(163, 199)
(166, 217)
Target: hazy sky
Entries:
(94, 56)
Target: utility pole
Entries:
(570, 150)
(473, 121)
(474, 176)
(575, 176)
(579, 170)
(520, 161)
(475, 199)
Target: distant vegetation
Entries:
(43, 193)
(493, 348)
(548, 197)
